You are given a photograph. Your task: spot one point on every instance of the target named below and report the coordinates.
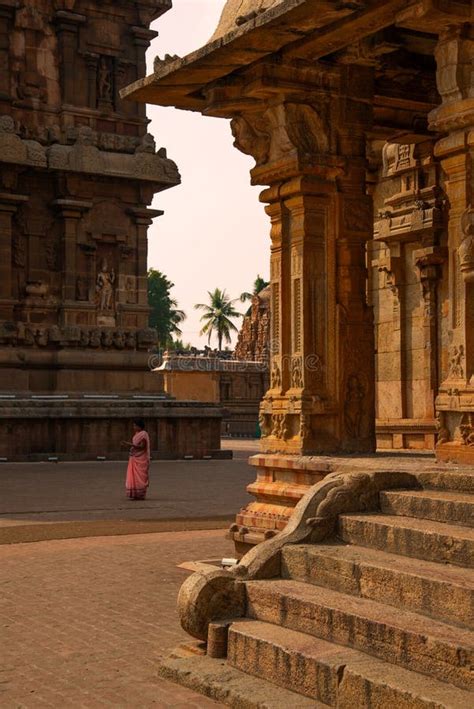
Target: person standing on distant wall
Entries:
(138, 471)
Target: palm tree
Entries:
(217, 316)
(176, 317)
(258, 285)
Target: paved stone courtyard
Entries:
(83, 621)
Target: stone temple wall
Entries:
(78, 172)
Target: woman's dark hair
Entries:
(140, 423)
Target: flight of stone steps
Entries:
(380, 616)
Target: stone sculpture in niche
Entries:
(105, 80)
(105, 287)
(456, 368)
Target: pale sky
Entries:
(214, 232)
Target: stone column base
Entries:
(281, 482)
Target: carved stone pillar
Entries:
(142, 37)
(309, 146)
(143, 218)
(9, 203)
(455, 117)
(312, 154)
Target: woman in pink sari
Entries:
(137, 480)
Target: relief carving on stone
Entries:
(297, 373)
(442, 432)
(264, 424)
(105, 287)
(354, 406)
(467, 429)
(276, 376)
(456, 362)
(105, 79)
(252, 136)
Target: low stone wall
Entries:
(87, 427)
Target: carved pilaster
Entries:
(455, 117)
(9, 204)
(68, 24)
(321, 396)
(71, 212)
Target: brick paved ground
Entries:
(83, 621)
(54, 501)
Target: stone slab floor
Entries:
(83, 621)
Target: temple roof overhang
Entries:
(296, 30)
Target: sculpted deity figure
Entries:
(105, 287)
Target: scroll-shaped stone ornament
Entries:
(252, 136)
(211, 595)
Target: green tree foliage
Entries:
(258, 285)
(217, 316)
(165, 315)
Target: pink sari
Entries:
(138, 467)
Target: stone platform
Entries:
(282, 481)
(90, 426)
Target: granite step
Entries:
(441, 591)
(408, 639)
(336, 675)
(225, 684)
(456, 480)
(419, 538)
(437, 505)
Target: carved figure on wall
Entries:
(277, 428)
(263, 424)
(252, 138)
(353, 407)
(276, 376)
(456, 368)
(305, 426)
(467, 430)
(442, 432)
(147, 145)
(105, 287)
(296, 373)
(105, 79)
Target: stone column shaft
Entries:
(71, 212)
